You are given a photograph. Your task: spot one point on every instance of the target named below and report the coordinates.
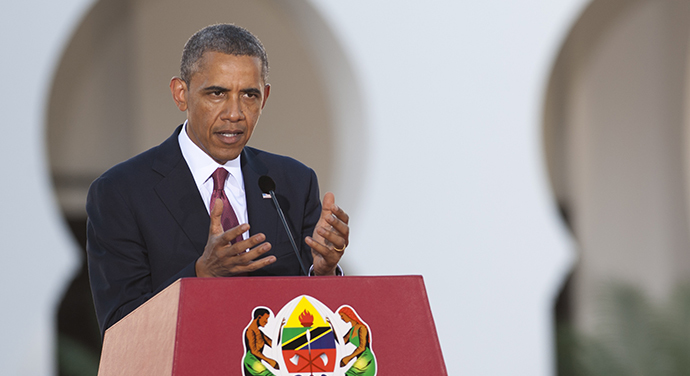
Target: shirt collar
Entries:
(201, 164)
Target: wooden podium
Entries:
(201, 326)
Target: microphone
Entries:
(267, 185)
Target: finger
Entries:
(216, 212)
(245, 262)
(242, 245)
(245, 258)
(335, 238)
(330, 255)
(340, 213)
(339, 226)
(258, 264)
(230, 235)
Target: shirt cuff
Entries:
(338, 271)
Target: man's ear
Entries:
(267, 91)
(178, 89)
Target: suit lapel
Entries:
(177, 190)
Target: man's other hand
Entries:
(222, 259)
(330, 237)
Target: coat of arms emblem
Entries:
(306, 338)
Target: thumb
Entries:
(216, 213)
(328, 201)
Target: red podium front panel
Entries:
(305, 326)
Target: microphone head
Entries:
(266, 184)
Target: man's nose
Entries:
(233, 110)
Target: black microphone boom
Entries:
(268, 186)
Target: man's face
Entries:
(263, 320)
(223, 101)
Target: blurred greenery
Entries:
(634, 337)
(76, 359)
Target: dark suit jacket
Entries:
(148, 225)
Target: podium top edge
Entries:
(302, 278)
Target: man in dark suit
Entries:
(160, 216)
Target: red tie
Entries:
(228, 219)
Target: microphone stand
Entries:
(287, 229)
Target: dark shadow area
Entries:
(79, 340)
(563, 312)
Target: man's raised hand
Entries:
(331, 236)
(222, 259)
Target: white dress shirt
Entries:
(203, 166)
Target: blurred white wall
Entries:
(453, 185)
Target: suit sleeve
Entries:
(118, 260)
(312, 212)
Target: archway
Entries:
(615, 130)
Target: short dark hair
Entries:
(225, 38)
(260, 312)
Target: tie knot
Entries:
(219, 177)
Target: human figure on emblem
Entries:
(358, 335)
(254, 341)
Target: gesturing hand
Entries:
(331, 236)
(222, 259)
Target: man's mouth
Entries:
(230, 137)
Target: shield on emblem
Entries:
(308, 341)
